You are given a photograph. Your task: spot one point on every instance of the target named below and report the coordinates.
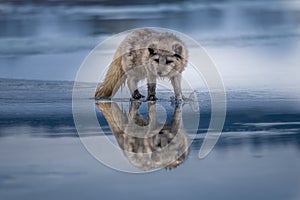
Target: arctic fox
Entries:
(145, 54)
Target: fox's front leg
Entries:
(176, 83)
(132, 83)
(151, 79)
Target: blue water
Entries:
(255, 45)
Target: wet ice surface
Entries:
(42, 157)
(255, 45)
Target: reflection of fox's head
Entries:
(152, 145)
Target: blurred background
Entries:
(248, 40)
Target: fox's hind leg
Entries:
(132, 85)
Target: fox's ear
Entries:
(152, 49)
(177, 48)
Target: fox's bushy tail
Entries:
(113, 80)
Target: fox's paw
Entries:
(137, 95)
(177, 101)
(151, 98)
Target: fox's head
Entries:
(167, 57)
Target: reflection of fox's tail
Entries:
(116, 119)
(114, 78)
(109, 109)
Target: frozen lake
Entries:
(255, 45)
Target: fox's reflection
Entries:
(146, 143)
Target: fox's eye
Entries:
(169, 61)
(177, 56)
(156, 60)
